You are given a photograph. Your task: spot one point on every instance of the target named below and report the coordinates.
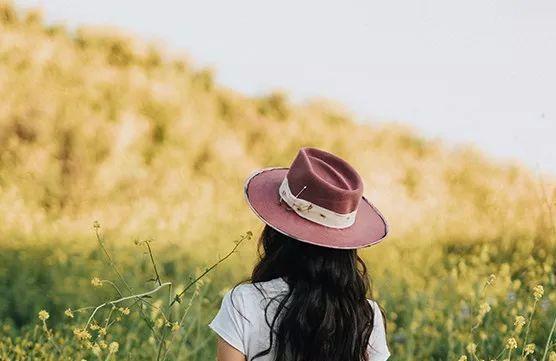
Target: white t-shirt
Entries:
(250, 334)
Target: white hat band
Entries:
(313, 212)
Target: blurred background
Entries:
(148, 117)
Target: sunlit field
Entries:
(122, 218)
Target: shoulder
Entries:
(378, 345)
(257, 290)
(377, 313)
(374, 304)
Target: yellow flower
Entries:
(511, 343)
(95, 281)
(43, 315)
(96, 350)
(529, 349)
(538, 292)
(102, 331)
(491, 279)
(102, 344)
(69, 313)
(471, 348)
(114, 346)
(552, 356)
(125, 311)
(175, 326)
(159, 323)
(484, 308)
(463, 358)
(519, 323)
(81, 334)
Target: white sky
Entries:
(475, 71)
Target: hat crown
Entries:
(326, 180)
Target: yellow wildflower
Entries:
(484, 308)
(125, 311)
(96, 282)
(471, 348)
(43, 315)
(491, 279)
(96, 350)
(159, 323)
(102, 331)
(463, 358)
(538, 292)
(511, 343)
(519, 323)
(529, 349)
(175, 326)
(81, 334)
(552, 356)
(69, 313)
(114, 346)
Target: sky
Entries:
(474, 71)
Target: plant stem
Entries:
(549, 339)
(179, 295)
(158, 280)
(110, 260)
(528, 327)
(125, 299)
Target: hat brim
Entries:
(261, 193)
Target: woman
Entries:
(307, 297)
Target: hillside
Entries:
(97, 125)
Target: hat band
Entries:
(313, 212)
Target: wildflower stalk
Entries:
(526, 339)
(158, 280)
(111, 262)
(114, 286)
(50, 337)
(549, 339)
(162, 350)
(137, 296)
(207, 270)
(182, 320)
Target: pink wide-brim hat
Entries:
(318, 199)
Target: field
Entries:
(121, 173)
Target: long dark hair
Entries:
(325, 314)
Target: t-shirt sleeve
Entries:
(228, 322)
(378, 347)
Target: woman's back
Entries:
(307, 297)
(242, 323)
